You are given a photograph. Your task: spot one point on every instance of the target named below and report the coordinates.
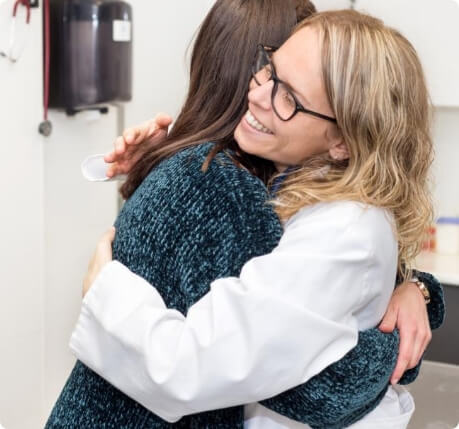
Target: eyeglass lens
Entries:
(283, 102)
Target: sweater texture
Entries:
(181, 230)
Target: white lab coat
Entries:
(288, 316)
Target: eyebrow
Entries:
(301, 97)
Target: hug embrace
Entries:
(263, 236)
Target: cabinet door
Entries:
(433, 28)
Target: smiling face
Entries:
(261, 132)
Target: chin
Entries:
(242, 140)
(246, 142)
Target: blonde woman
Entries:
(342, 110)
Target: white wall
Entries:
(446, 165)
(50, 218)
(21, 235)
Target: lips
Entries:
(254, 123)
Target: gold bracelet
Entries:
(422, 287)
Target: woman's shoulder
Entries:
(183, 171)
(225, 200)
(344, 212)
(355, 219)
(193, 158)
(179, 185)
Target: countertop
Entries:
(444, 267)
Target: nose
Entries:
(260, 95)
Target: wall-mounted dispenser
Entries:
(88, 49)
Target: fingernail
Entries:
(394, 382)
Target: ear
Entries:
(339, 151)
(337, 147)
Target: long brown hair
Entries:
(376, 87)
(219, 76)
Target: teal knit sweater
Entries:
(181, 230)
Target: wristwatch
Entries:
(422, 287)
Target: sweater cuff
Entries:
(436, 307)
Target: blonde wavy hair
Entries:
(376, 87)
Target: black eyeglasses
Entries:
(284, 102)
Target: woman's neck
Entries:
(280, 167)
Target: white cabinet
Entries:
(433, 28)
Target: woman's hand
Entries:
(407, 311)
(129, 147)
(102, 256)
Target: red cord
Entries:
(46, 55)
(26, 4)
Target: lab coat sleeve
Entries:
(288, 316)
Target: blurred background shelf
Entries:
(444, 267)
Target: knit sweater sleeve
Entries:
(436, 307)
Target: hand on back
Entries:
(407, 312)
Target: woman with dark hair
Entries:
(183, 228)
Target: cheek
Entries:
(299, 136)
(307, 140)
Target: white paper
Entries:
(121, 31)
